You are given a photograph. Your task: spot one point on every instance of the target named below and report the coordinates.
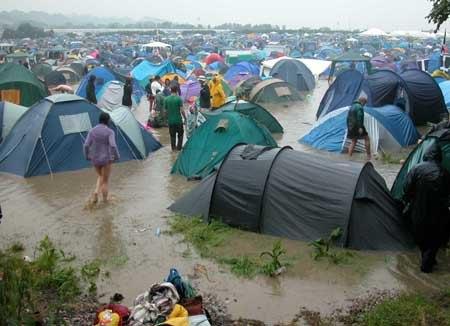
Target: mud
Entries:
(123, 235)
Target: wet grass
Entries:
(209, 240)
(385, 309)
(411, 310)
(40, 289)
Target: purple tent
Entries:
(381, 62)
(189, 89)
(238, 78)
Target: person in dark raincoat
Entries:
(355, 126)
(426, 195)
(90, 90)
(127, 91)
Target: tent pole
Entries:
(46, 158)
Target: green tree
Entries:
(439, 13)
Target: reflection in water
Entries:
(124, 232)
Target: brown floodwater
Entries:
(123, 234)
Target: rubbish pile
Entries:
(173, 302)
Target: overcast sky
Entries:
(385, 14)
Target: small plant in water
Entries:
(274, 266)
(322, 247)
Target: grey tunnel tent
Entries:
(286, 193)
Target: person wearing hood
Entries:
(127, 93)
(205, 94)
(426, 198)
(90, 90)
(217, 93)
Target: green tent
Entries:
(352, 58)
(226, 88)
(41, 70)
(20, 86)
(9, 114)
(253, 110)
(274, 90)
(443, 138)
(209, 144)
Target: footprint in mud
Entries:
(92, 204)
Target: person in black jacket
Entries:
(90, 90)
(205, 94)
(426, 195)
(127, 92)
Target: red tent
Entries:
(213, 57)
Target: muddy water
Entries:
(123, 234)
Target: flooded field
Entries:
(124, 235)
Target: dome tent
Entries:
(123, 118)
(414, 90)
(71, 76)
(49, 138)
(209, 144)
(295, 73)
(274, 91)
(252, 110)
(19, 85)
(441, 137)
(41, 70)
(55, 78)
(389, 129)
(240, 71)
(110, 96)
(102, 74)
(9, 114)
(286, 193)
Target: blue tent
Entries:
(413, 90)
(143, 71)
(445, 88)
(295, 73)
(103, 75)
(342, 92)
(243, 67)
(49, 138)
(389, 129)
(435, 62)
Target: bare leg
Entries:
(98, 185)
(351, 148)
(105, 188)
(367, 145)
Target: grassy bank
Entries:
(248, 254)
(45, 288)
(386, 309)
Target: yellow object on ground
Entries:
(440, 73)
(108, 318)
(178, 317)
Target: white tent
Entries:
(316, 66)
(110, 96)
(374, 32)
(156, 45)
(415, 34)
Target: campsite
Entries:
(263, 214)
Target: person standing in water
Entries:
(127, 91)
(173, 106)
(100, 148)
(355, 126)
(90, 90)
